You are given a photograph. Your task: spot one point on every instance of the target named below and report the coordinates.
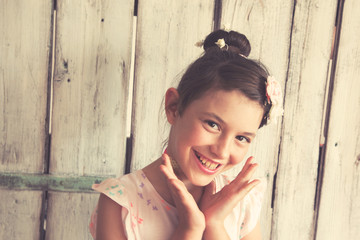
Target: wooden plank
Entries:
(310, 52)
(20, 214)
(25, 28)
(339, 213)
(267, 26)
(69, 215)
(268, 29)
(93, 48)
(167, 32)
(48, 182)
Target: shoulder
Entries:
(256, 195)
(119, 189)
(252, 205)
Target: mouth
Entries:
(207, 163)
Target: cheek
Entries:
(194, 134)
(239, 155)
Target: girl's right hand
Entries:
(191, 219)
(216, 206)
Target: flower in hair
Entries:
(199, 43)
(226, 27)
(274, 96)
(221, 43)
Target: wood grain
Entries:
(69, 216)
(311, 41)
(310, 51)
(93, 48)
(20, 214)
(167, 32)
(24, 62)
(339, 215)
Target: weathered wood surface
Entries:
(20, 214)
(311, 41)
(93, 42)
(267, 26)
(339, 215)
(24, 62)
(166, 34)
(49, 182)
(69, 216)
(93, 47)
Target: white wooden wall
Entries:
(24, 61)
(66, 69)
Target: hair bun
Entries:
(236, 42)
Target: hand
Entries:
(217, 206)
(191, 219)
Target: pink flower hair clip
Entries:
(274, 96)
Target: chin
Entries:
(201, 181)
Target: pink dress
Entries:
(146, 215)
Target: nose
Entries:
(221, 148)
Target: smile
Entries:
(210, 165)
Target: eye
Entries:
(243, 139)
(213, 125)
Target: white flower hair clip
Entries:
(221, 43)
(226, 27)
(274, 96)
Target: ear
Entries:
(171, 104)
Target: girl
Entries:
(221, 101)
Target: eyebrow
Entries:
(222, 122)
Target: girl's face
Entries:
(212, 135)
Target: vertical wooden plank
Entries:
(311, 41)
(93, 47)
(167, 32)
(69, 216)
(20, 214)
(339, 214)
(25, 28)
(267, 25)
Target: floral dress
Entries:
(146, 215)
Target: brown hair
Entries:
(226, 68)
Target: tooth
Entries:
(207, 163)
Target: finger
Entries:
(167, 164)
(248, 187)
(242, 191)
(245, 176)
(209, 190)
(181, 196)
(176, 187)
(247, 164)
(166, 172)
(248, 167)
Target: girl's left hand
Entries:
(217, 206)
